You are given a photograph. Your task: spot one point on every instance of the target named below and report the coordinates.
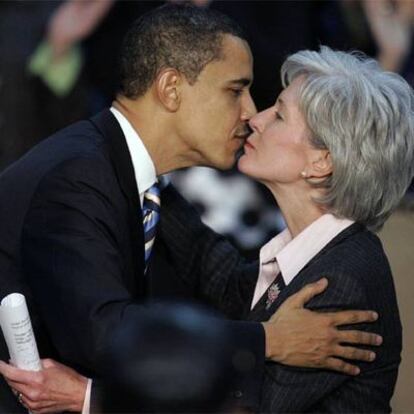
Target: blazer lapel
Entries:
(260, 313)
(121, 160)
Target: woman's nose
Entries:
(258, 122)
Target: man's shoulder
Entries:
(77, 139)
(75, 154)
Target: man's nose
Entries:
(254, 123)
(249, 108)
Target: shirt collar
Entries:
(293, 255)
(144, 169)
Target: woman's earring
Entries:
(303, 174)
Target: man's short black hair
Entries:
(183, 37)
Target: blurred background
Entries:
(58, 65)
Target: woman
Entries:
(337, 152)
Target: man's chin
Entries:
(233, 162)
(226, 164)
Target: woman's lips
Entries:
(248, 145)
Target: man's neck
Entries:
(156, 132)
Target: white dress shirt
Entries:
(144, 169)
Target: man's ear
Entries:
(167, 87)
(321, 165)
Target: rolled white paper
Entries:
(18, 332)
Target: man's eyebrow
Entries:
(241, 82)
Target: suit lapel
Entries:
(121, 160)
(260, 313)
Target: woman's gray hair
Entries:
(365, 117)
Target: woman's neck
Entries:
(297, 207)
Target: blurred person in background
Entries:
(53, 71)
(174, 358)
(382, 29)
(29, 109)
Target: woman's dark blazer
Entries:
(359, 278)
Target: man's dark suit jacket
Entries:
(359, 278)
(71, 226)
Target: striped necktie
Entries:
(151, 216)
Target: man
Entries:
(72, 210)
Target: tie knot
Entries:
(151, 216)
(152, 197)
(154, 189)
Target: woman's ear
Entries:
(321, 165)
(167, 88)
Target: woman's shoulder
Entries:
(355, 253)
(358, 273)
(357, 269)
(359, 277)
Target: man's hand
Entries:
(299, 337)
(54, 389)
